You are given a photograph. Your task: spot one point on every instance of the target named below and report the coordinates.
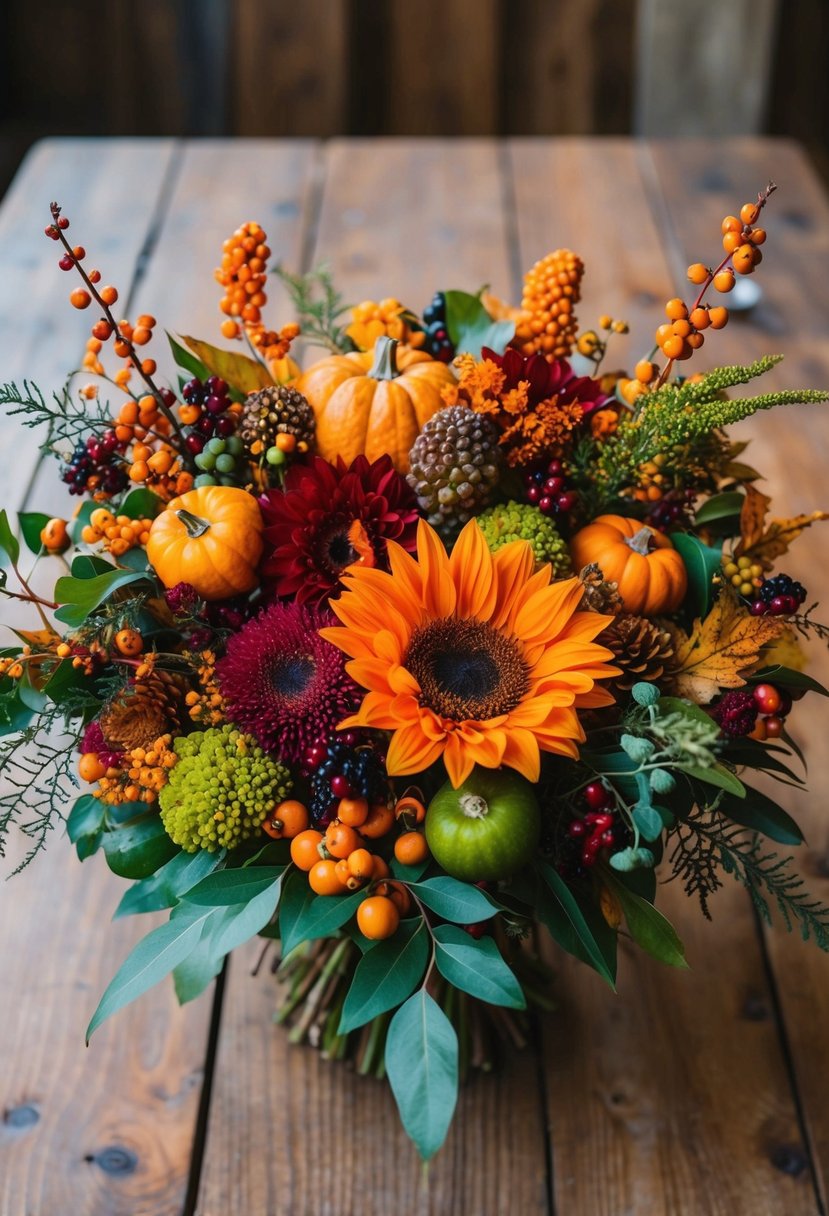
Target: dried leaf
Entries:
(752, 518)
(242, 373)
(720, 649)
(778, 535)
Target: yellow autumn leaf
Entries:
(752, 518)
(720, 650)
(242, 373)
(777, 536)
(40, 639)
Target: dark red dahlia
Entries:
(736, 712)
(330, 516)
(283, 683)
(546, 380)
(93, 740)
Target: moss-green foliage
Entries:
(522, 521)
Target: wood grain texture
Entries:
(791, 448)
(680, 1079)
(109, 1131)
(286, 1128)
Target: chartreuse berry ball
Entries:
(522, 521)
(221, 789)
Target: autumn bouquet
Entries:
(396, 661)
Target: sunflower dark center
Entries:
(340, 551)
(292, 674)
(467, 669)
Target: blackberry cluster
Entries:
(736, 713)
(94, 465)
(779, 596)
(212, 397)
(438, 343)
(546, 488)
(345, 770)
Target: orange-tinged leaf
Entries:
(242, 373)
(752, 518)
(777, 536)
(40, 639)
(720, 650)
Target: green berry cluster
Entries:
(221, 790)
(222, 463)
(522, 521)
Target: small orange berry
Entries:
(731, 224)
(697, 273)
(109, 295)
(718, 316)
(54, 536)
(230, 329)
(732, 241)
(139, 470)
(90, 767)
(749, 213)
(285, 442)
(673, 347)
(340, 839)
(724, 281)
(675, 309)
(287, 820)
(401, 897)
(102, 330)
(695, 340)
(80, 298)
(645, 371)
(361, 864)
(411, 848)
(379, 822)
(663, 333)
(758, 236)
(160, 462)
(129, 642)
(743, 259)
(322, 878)
(305, 849)
(681, 328)
(146, 321)
(377, 917)
(699, 318)
(381, 869)
(141, 335)
(352, 811)
(409, 810)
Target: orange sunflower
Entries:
(472, 657)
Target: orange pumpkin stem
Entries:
(195, 525)
(641, 541)
(384, 366)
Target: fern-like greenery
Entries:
(66, 419)
(319, 308)
(38, 783)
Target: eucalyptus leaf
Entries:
(164, 888)
(422, 1067)
(233, 886)
(8, 541)
(720, 506)
(762, 814)
(632, 859)
(32, 524)
(304, 916)
(454, 900)
(648, 821)
(386, 975)
(79, 597)
(476, 967)
(139, 849)
(567, 923)
(85, 818)
(718, 775)
(649, 928)
(140, 503)
(701, 562)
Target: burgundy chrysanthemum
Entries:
(330, 516)
(546, 380)
(282, 683)
(736, 713)
(93, 741)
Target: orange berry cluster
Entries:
(243, 274)
(551, 290)
(118, 533)
(338, 860)
(592, 345)
(143, 775)
(682, 334)
(152, 460)
(206, 706)
(387, 318)
(124, 334)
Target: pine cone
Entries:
(599, 595)
(455, 466)
(640, 648)
(278, 410)
(143, 711)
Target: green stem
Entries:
(384, 366)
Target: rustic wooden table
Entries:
(691, 1092)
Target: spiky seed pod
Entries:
(273, 411)
(599, 594)
(522, 521)
(455, 466)
(640, 648)
(141, 712)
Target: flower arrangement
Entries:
(399, 659)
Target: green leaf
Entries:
(649, 928)
(242, 373)
(386, 975)
(140, 849)
(565, 909)
(718, 775)
(787, 677)
(720, 506)
(454, 900)
(82, 518)
(304, 916)
(186, 361)
(644, 693)
(678, 705)
(85, 818)
(32, 524)
(201, 966)
(233, 886)
(762, 814)
(81, 596)
(632, 859)
(476, 967)
(240, 922)
(648, 821)
(702, 563)
(153, 958)
(274, 853)
(471, 327)
(8, 541)
(33, 698)
(164, 888)
(409, 873)
(140, 503)
(89, 565)
(422, 1067)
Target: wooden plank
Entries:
(791, 448)
(109, 1130)
(799, 90)
(285, 1127)
(567, 68)
(703, 69)
(674, 1095)
(289, 67)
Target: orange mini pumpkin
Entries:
(372, 403)
(650, 573)
(211, 538)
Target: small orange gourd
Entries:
(650, 573)
(372, 403)
(210, 537)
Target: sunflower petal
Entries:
(472, 572)
(410, 751)
(458, 759)
(438, 588)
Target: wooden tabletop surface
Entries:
(688, 1093)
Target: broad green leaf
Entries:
(33, 698)
(648, 821)
(8, 541)
(233, 886)
(422, 1067)
(140, 503)
(65, 678)
(304, 916)
(82, 519)
(762, 814)
(274, 853)
(32, 524)
(85, 818)
(241, 372)
(164, 888)
(196, 972)
(240, 922)
(79, 597)
(386, 975)
(187, 361)
(720, 506)
(678, 705)
(627, 860)
(140, 849)
(89, 565)
(649, 928)
(476, 967)
(718, 775)
(702, 563)
(409, 873)
(565, 908)
(454, 900)
(471, 327)
(151, 960)
(787, 677)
